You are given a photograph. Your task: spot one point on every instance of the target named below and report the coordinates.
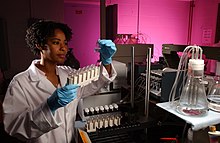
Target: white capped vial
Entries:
(115, 106)
(101, 108)
(86, 111)
(97, 109)
(111, 107)
(106, 108)
(91, 110)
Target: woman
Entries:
(39, 107)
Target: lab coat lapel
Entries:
(46, 85)
(42, 82)
(62, 75)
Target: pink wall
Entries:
(166, 21)
(160, 21)
(205, 18)
(85, 23)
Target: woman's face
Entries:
(56, 48)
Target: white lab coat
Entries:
(27, 115)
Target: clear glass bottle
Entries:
(193, 100)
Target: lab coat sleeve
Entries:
(23, 121)
(104, 79)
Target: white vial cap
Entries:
(101, 108)
(106, 107)
(91, 109)
(86, 110)
(97, 109)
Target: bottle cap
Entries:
(212, 128)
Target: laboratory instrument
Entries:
(116, 114)
(193, 100)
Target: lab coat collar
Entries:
(36, 76)
(63, 76)
(60, 70)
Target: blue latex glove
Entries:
(107, 50)
(62, 96)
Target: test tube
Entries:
(70, 78)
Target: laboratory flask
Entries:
(214, 95)
(193, 100)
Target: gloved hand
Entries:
(62, 96)
(107, 50)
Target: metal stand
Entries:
(147, 91)
(132, 77)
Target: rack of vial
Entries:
(84, 76)
(102, 117)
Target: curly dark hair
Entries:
(40, 31)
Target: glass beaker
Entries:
(193, 100)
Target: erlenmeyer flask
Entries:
(193, 100)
